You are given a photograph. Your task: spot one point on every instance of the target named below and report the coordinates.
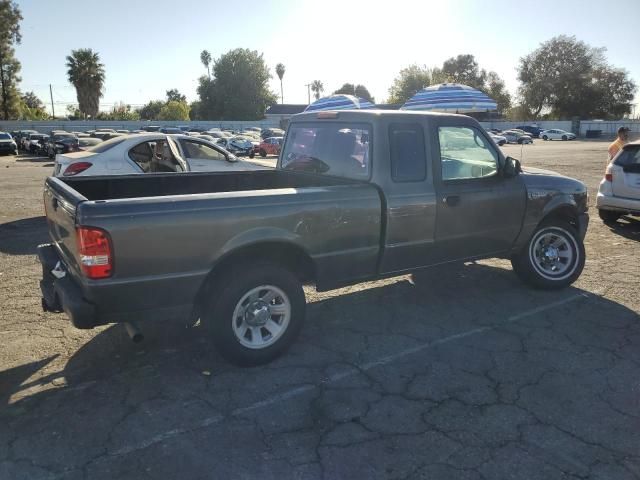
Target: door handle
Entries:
(451, 200)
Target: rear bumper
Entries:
(626, 205)
(67, 295)
(63, 294)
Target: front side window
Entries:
(330, 148)
(408, 159)
(200, 151)
(466, 154)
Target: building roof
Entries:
(286, 109)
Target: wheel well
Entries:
(565, 213)
(285, 254)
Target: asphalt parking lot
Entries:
(467, 375)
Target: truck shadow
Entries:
(21, 237)
(180, 356)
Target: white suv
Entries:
(619, 191)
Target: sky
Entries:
(149, 47)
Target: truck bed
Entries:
(169, 231)
(135, 186)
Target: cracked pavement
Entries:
(464, 374)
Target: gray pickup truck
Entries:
(356, 196)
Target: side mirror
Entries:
(511, 167)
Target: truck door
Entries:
(410, 198)
(479, 212)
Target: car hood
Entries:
(4, 140)
(545, 184)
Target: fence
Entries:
(82, 125)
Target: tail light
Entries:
(94, 247)
(76, 168)
(608, 177)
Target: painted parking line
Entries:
(350, 372)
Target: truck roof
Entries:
(364, 115)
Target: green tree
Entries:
(10, 17)
(120, 111)
(280, 69)
(411, 80)
(362, 92)
(568, 78)
(496, 89)
(73, 112)
(205, 58)
(317, 88)
(151, 110)
(86, 74)
(194, 110)
(346, 89)
(174, 95)
(464, 69)
(174, 110)
(32, 108)
(239, 89)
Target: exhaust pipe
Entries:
(134, 332)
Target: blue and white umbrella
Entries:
(450, 97)
(339, 102)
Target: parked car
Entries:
(125, 131)
(34, 142)
(8, 144)
(171, 130)
(557, 134)
(149, 153)
(85, 143)
(271, 132)
(532, 131)
(515, 136)
(236, 145)
(343, 206)
(499, 139)
(151, 128)
(61, 143)
(102, 134)
(21, 136)
(197, 129)
(269, 146)
(619, 190)
(218, 134)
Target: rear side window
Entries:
(142, 154)
(330, 148)
(629, 156)
(407, 150)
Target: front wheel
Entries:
(263, 153)
(545, 138)
(564, 137)
(256, 316)
(553, 258)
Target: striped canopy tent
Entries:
(339, 102)
(450, 97)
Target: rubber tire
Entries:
(564, 138)
(263, 153)
(609, 216)
(218, 312)
(500, 144)
(545, 138)
(527, 273)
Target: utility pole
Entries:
(53, 111)
(308, 85)
(5, 107)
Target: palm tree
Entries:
(317, 88)
(205, 58)
(86, 73)
(280, 72)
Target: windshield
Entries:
(4, 136)
(338, 149)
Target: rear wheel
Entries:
(263, 153)
(553, 258)
(544, 137)
(609, 216)
(564, 137)
(256, 316)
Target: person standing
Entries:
(619, 142)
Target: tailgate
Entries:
(60, 203)
(626, 173)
